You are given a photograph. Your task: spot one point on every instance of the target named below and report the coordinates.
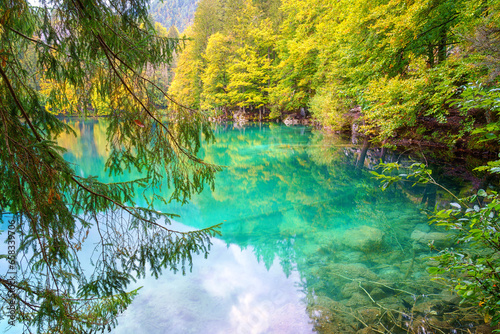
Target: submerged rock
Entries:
(358, 299)
(370, 315)
(349, 256)
(349, 289)
(349, 272)
(366, 330)
(364, 238)
(439, 239)
(423, 227)
(378, 294)
(390, 273)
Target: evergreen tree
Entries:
(103, 49)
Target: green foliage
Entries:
(485, 100)
(297, 55)
(394, 104)
(472, 269)
(95, 51)
(478, 96)
(400, 62)
(332, 107)
(216, 77)
(228, 62)
(416, 173)
(185, 87)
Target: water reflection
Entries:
(230, 293)
(308, 239)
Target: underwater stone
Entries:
(358, 300)
(420, 247)
(378, 294)
(352, 271)
(364, 238)
(351, 256)
(370, 315)
(390, 274)
(349, 289)
(439, 239)
(366, 330)
(485, 329)
(423, 227)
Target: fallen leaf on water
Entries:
(139, 123)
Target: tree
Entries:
(215, 77)
(98, 48)
(249, 79)
(250, 68)
(298, 55)
(399, 62)
(187, 85)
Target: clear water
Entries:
(309, 243)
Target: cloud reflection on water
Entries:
(230, 293)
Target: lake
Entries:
(309, 242)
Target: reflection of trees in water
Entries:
(88, 146)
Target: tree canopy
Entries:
(401, 63)
(104, 51)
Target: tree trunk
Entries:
(430, 56)
(429, 197)
(382, 154)
(442, 47)
(361, 160)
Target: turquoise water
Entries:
(309, 242)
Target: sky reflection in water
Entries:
(230, 293)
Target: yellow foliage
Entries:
(60, 97)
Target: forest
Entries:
(424, 70)
(178, 13)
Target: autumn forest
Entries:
(396, 68)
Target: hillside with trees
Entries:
(178, 13)
(395, 69)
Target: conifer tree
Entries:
(99, 47)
